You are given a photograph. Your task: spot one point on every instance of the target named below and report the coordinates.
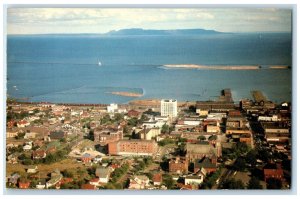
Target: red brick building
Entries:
(132, 147)
(178, 165)
(273, 171)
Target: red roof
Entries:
(38, 154)
(94, 180)
(157, 177)
(274, 172)
(66, 180)
(88, 186)
(24, 185)
(133, 113)
(22, 122)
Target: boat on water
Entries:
(99, 63)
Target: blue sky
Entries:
(101, 20)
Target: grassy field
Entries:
(44, 169)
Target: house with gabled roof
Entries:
(209, 164)
(103, 174)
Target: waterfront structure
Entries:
(133, 147)
(168, 107)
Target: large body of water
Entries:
(65, 68)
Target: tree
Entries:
(132, 121)
(165, 128)
(274, 183)
(254, 183)
(168, 181)
(201, 137)
(240, 164)
(27, 162)
(232, 184)
(251, 157)
(240, 148)
(213, 137)
(68, 174)
(118, 117)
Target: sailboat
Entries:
(99, 63)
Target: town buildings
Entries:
(133, 147)
(168, 107)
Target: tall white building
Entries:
(168, 107)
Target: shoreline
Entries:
(213, 67)
(224, 67)
(126, 94)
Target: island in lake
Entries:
(127, 94)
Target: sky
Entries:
(102, 20)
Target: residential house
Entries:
(24, 184)
(139, 182)
(209, 164)
(22, 123)
(157, 179)
(56, 177)
(178, 165)
(12, 159)
(39, 154)
(30, 135)
(103, 174)
(41, 184)
(32, 169)
(88, 187)
(193, 180)
(148, 133)
(95, 181)
(13, 179)
(134, 113)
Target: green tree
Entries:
(251, 157)
(240, 164)
(118, 117)
(168, 181)
(254, 183)
(232, 184)
(201, 137)
(274, 183)
(165, 129)
(212, 137)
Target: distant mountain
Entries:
(139, 31)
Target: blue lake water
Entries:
(65, 68)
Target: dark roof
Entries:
(205, 163)
(57, 135)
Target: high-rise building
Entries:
(168, 107)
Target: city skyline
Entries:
(102, 20)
